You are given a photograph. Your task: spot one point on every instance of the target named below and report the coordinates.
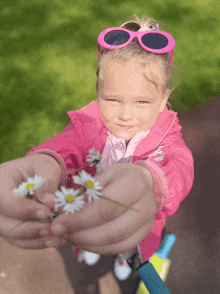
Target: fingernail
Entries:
(59, 229)
(51, 243)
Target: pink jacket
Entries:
(162, 150)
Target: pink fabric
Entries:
(115, 150)
(162, 150)
(59, 160)
(76, 251)
(159, 182)
(151, 242)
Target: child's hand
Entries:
(107, 228)
(17, 212)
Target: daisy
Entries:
(70, 200)
(29, 186)
(89, 184)
(94, 157)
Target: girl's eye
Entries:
(141, 102)
(144, 102)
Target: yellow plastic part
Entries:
(162, 268)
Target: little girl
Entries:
(129, 123)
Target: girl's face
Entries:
(129, 99)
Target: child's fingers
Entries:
(27, 209)
(48, 198)
(20, 207)
(93, 214)
(115, 248)
(89, 217)
(12, 175)
(15, 229)
(39, 243)
(108, 175)
(115, 231)
(112, 232)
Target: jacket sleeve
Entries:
(68, 148)
(172, 169)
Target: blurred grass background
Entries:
(48, 49)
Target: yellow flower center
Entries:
(90, 184)
(100, 156)
(29, 186)
(70, 198)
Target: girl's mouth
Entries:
(126, 127)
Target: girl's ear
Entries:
(164, 100)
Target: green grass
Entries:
(47, 50)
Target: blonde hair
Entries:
(159, 74)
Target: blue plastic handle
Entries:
(169, 240)
(152, 280)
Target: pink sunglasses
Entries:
(157, 42)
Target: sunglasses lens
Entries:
(116, 38)
(154, 41)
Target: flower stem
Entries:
(54, 214)
(126, 206)
(34, 197)
(78, 168)
(81, 191)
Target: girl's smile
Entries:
(125, 127)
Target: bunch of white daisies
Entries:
(71, 200)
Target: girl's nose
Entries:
(126, 113)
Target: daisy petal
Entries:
(60, 195)
(77, 180)
(63, 189)
(57, 206)
(20, 192)
(75, 204)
